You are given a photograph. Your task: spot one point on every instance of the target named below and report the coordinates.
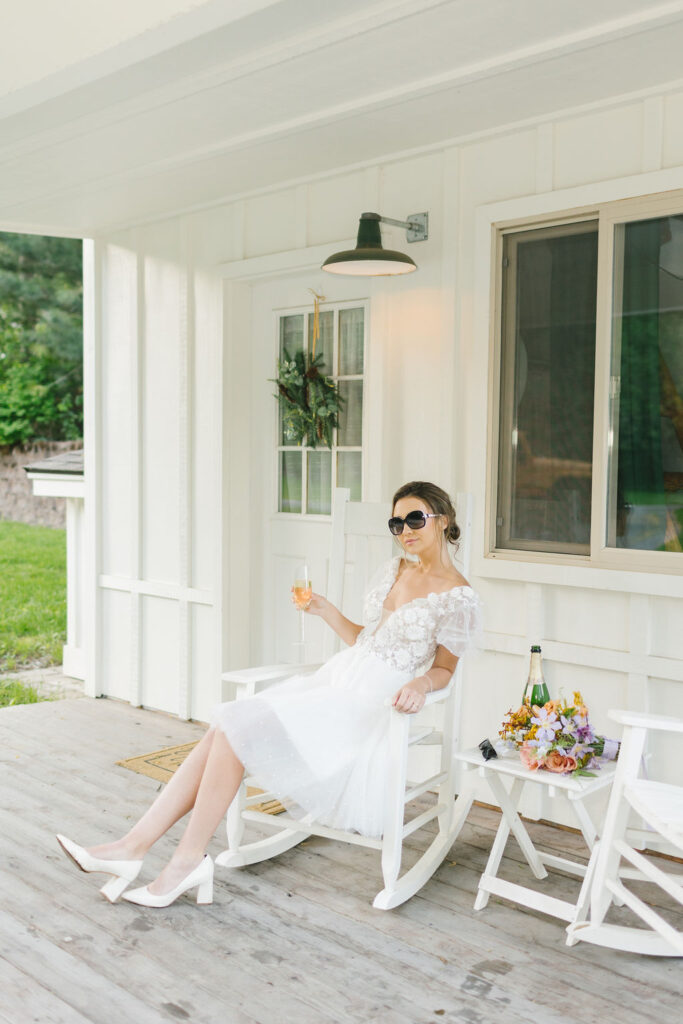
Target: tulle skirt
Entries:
(319, 742)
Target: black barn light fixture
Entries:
(369, 259)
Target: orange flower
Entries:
(530, 758)
(556, 761)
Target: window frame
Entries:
(307, 312)
(608, 216)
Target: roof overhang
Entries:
(227, 98)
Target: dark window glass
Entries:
(547, 383)
(645, 508)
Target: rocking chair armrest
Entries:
(644, 720)
(246, 680)
(430, 698)
(257, 674)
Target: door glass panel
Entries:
(349, 473)
(350, 432)
(290, 482)
(287, 434)
(319, 498)
(645, 507)
(351, 341)
(291, 335)
(325, 343)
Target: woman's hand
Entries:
(411, 698)
(318, 604)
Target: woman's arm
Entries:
(411, 697)
(345, 629)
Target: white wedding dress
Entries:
(319, 741)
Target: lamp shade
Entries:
(369, 259)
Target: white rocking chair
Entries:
(366, 523)
(661, 806)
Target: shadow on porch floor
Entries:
(292, 940)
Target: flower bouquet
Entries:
(557, 737)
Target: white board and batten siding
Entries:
(192, 561)
(153, 470)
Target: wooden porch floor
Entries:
(292, 940)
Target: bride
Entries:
(318, 741)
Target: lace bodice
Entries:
(408, 637)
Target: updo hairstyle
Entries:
(436, 499)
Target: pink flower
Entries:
(530, 758)
(558, 762)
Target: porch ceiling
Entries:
(229, 98)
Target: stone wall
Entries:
(17, 501)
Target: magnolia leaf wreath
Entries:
(309, 401)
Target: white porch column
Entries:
(62, 477)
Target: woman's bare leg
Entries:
(174, 801)
(219, 783)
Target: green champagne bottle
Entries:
(535, 691)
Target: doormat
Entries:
(161, 764)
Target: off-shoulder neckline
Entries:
(395, 563)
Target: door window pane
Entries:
(287, 434)
(290, 482)
(349, 473)
(291, 335)
(547, 380)
(319, 499)
(350, 430)
(325, 343)
(351, 328)
(645, 508)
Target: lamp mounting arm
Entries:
(417, 225)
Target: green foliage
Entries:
(32, 596)
(41, 330)
(310, 402)
(13, 691)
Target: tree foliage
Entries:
(41, 339)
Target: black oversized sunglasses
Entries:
(414, 521)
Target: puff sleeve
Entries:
(461, 622)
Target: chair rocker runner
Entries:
(661, 807)
(406, 731)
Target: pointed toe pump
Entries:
(123, 871)
(201, 877)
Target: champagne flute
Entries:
(302, 591)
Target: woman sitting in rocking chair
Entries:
(318, 742)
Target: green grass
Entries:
(32, 596)
(12, 691)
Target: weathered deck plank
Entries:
(24, 998)
(294, 939)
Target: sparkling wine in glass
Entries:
(302, 590)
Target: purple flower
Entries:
(586, 734)
(547, 724)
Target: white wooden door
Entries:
(290, 524)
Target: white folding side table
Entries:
(575, 788)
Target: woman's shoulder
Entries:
(460, 596)
(450, 581)
(459, 581)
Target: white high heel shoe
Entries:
(124, 871)
(202, 876)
